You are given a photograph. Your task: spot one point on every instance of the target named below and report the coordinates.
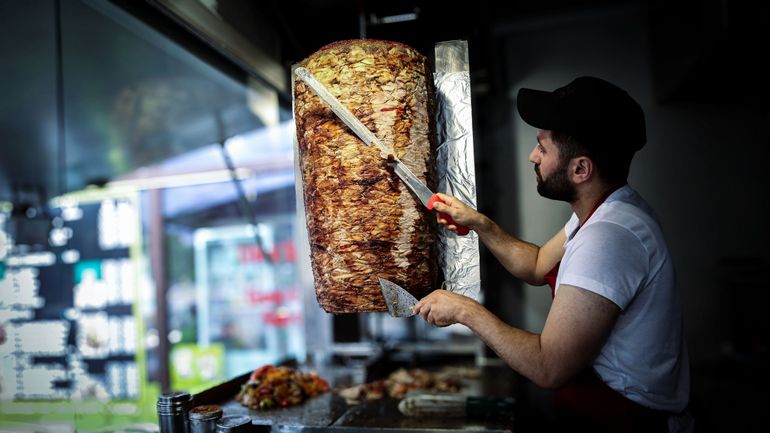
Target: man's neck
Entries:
(589, 197)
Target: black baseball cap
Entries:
(599, 114)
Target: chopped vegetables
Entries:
(270, 387)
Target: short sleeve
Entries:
(607, 259)
(571, 225)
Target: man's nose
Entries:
(534, 157)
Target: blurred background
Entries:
(149, 237)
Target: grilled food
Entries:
(400, 382)
(271, 387)
(362, 222)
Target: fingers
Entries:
(433, 318)
(442, 207)
(445, 198)
(431, 310)
(416, 308)
(425, 312)
(422, 308)
(435, 321)
(448, 204)
(445, 223)
(429, 318)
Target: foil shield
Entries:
(458, 255)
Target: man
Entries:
(612, 346)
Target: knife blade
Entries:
(341, 111)
(398, 300)
(423, 193)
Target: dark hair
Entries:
(612, 165)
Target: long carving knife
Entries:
(423, 193)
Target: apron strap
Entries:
(550, 278)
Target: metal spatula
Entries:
(398, 300)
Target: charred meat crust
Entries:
(363, 223)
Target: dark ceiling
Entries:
(133, 87)
(306, 25)
(704, 52)
(136, 88)
(129, 97)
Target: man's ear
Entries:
(582, 169)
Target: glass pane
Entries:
(79, 343)
(134, 98)
(233, 305)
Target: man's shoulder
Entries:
(628, 223)
(628, 209)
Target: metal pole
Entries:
(160, 277)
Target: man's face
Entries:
(552, 173)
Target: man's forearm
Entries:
(520, 349)
(517, 256)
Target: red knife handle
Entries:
(461, 229)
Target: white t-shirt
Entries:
(620, 254)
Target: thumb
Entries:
(439, 206)
(448, 199)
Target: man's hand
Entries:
(459, 211)
(442, 308)
(576, 328)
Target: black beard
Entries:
(557, 186)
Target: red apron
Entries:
(586, 403)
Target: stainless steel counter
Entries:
(329, 412)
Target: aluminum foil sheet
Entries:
(458, 255)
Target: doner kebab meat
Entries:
(362, 222)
